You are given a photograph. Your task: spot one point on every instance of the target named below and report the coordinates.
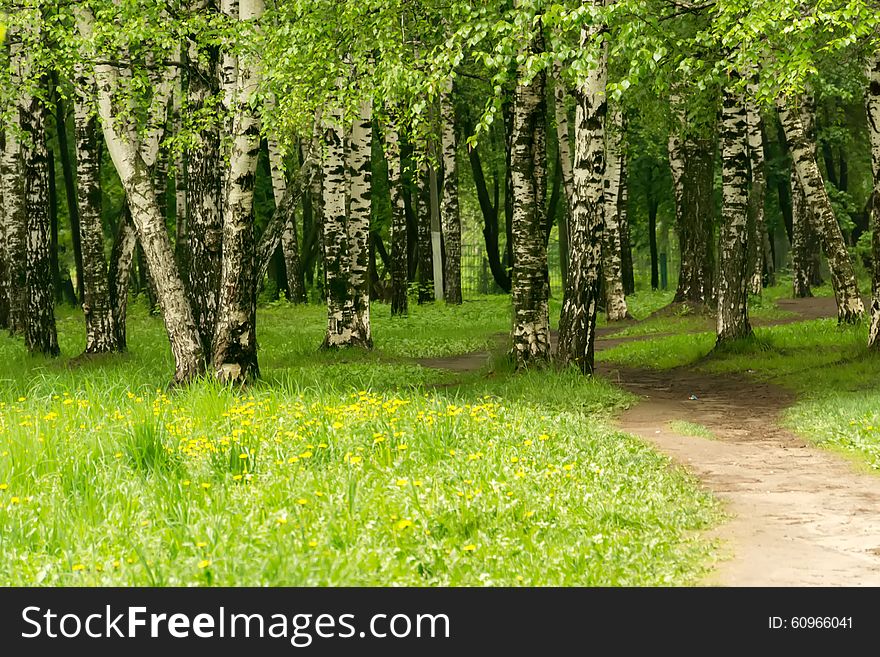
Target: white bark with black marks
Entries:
(530, 288)
(760, 257)
(149, 223)
(449, 207)
(13, 201)
(577, 322)
(337, 277)
(872, 104)
(846, 293)
(612, 247)
(235, 336)
(101, 333)
(734, 270)
(359, 164)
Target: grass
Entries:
(339, 468)
(827, 365)
(691, 429)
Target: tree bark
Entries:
(489, 209)
(337, 276)
(235, 336)
(531, 291)
(653, 204)
(399, 275)
(425, 285)
(296, 287)
(203, 199)
(13, 201)
(760, 254)
(119, 274)
(563, 144)
(358, 225)
(872, 104)
(449, 209)
(67, 168)
(692, 161)
(101, 333)
(626, 255)
(4, 255)
(849, 303)
(39, 335)
(734, 265)
(149, 223)
(181, 210)
(612, 248)
(577, 322)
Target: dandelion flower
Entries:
(78, 567)
(204, 563)
(469, 548)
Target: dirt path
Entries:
(800, 516)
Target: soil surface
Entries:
(798, 515)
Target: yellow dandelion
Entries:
(4, 486)
(469, 548)
(15, 500)
(201, 544)
(403, 524)
(402, 482)
(206, 485)
(313, 543)
(145, 523)
(302, 501)
(204, 563)
(78, 567)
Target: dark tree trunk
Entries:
(102, 333)
(40, 335)
(653, 204)
(53, 228)
(489, 210)
(67, 168)
(425, 280)
(398, 264)
(203, 203)
(693, 173)
(118, 277)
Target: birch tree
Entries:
(235, 335)
(612, 246)
(531, 313)
(358, 222)
(734, 271)
(123, 147)
(849, 303)
(577, 322)
(399, 298)
(872, 104)
(289, 240)
(449, 207)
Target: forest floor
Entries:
(798, 515)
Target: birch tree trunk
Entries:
(399, 283)
(235, 337)
(101, 333)
(337, 277)
(13, 200)
(759, 242)
(804, 242)
(577, 322)
(181, 211)
(563, 144)
(626, 256)
(612, 247)
(531, 312)
(449, 208)
(849, 303)
(735, 272)
(425, 282)
(149, 223)
(4, 255)
(289, 243)
(360, 204)
(39, 334)
(872, 103)
(119, 274)
(692, 162)
(203, 201)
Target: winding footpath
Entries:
(797, 515)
